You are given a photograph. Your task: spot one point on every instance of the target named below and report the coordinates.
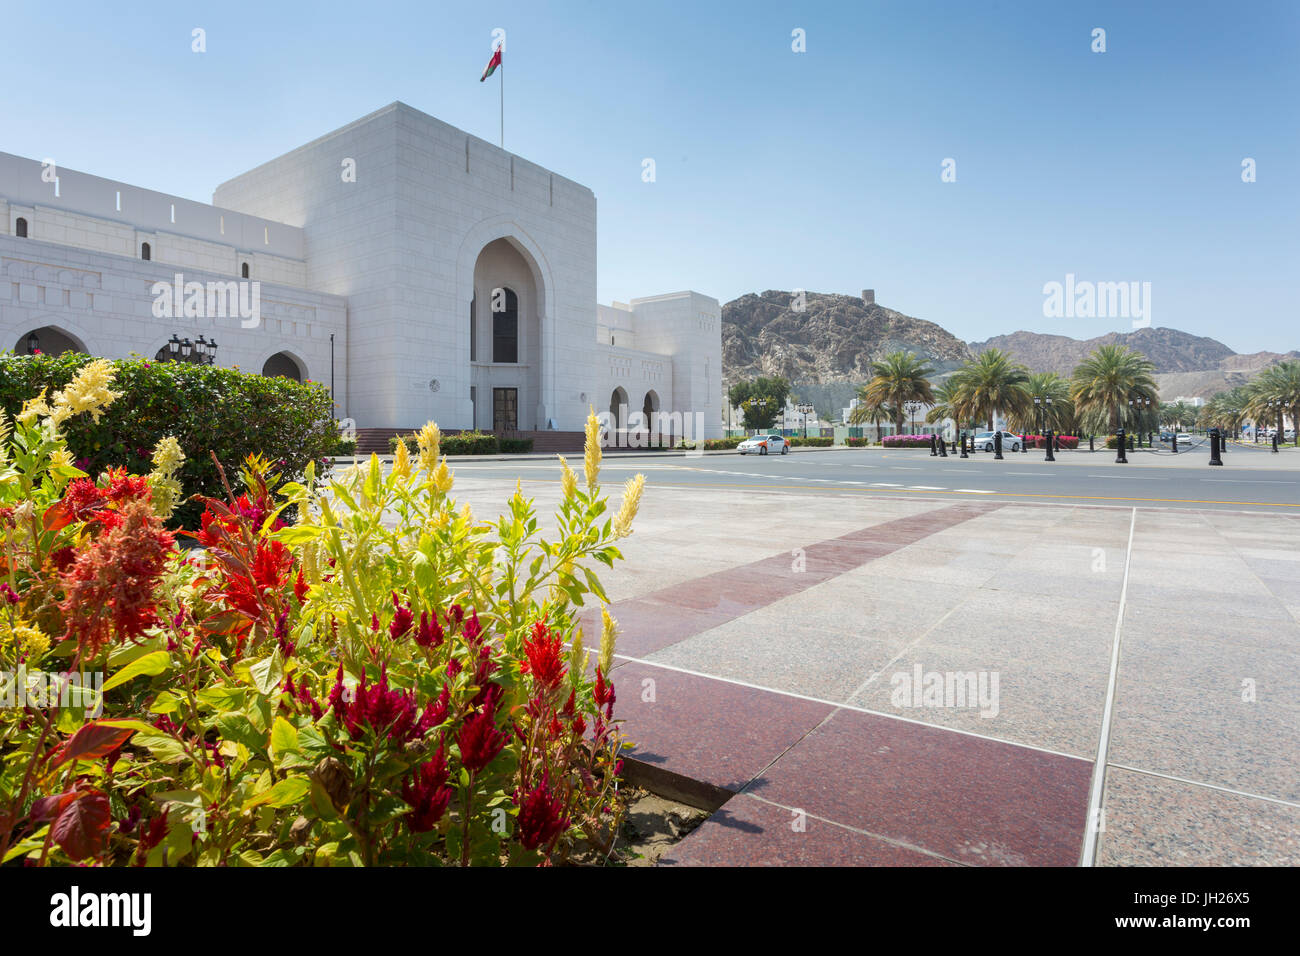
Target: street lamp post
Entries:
(201, 352)
(805, 409)
(1047, 432)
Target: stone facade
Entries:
(458, 280)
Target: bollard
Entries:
(963, 446)
(1275, 451)
(1214, 447)
(943, 448)
(1024, 444)
(1049, 443)
(1121, 443)
(1173, 443)
(997, 446)
(1091, 445)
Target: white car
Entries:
(764, 444)
(1184, 438)
(983, 441)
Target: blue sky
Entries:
(774, 169)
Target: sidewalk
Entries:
(762, 673)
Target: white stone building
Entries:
(423, 272)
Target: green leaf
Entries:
(150, 665)
(267, 673)
(164, 748)
(287, 791)
(284, 737)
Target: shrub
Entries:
(858, 442)
(344, 447)
(465, 443)
(205, 408)
(715, 444)
(383, 682)
(516, 446)
(812, 442)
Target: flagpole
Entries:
(503, 102)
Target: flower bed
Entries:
(385, 681)
(907, 441)
(858, 442)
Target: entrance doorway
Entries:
(505, 405)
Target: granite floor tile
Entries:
(1151, 821)
(964, 798)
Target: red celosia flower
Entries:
(541, 816)
(545, 657)
(387, 712)
(604, 694)
(82, 498)
(300, 587)
(435, 712)
(123, 487)
(10, 595)
(427, 793)
(455, 614)
(110, 587)
(473, 629)
(402, 620)
(480, 741)
(429, 633)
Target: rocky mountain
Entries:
(1170, 349)
(833, 339)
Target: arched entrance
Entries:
(650, 413)
(506, 340)
(48, 340)
(284, 365)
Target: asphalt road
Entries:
(1150, 479)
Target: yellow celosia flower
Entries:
(402, 460)
(577, 658)
(167, 455)
(608, 634)
(429, 438)
(164, 489)
(87, 392)
(627, 511)
(61, 458)
(591, 462)
(23, 641)
(32, 409)
(443, 478)
(568, 480)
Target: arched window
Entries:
(618, 409)
(20, 228)
(283, 365)
(145, 252)
(244, 271)
(505, 326)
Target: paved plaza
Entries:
(796, 655)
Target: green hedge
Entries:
(470, 443)
(812, 442)
(858, 442)
(206, 408)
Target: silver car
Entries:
(763, 444)
(983, 441)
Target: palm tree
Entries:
(1057, 416)
(864, 412)
(898, 378)
(993, 383)
(947, 404)
(1273, 393)
(1106, 381)
(1226, 410)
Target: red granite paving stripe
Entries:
(653, 621)
(751, 832)
(965, 798)
(721, 733)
